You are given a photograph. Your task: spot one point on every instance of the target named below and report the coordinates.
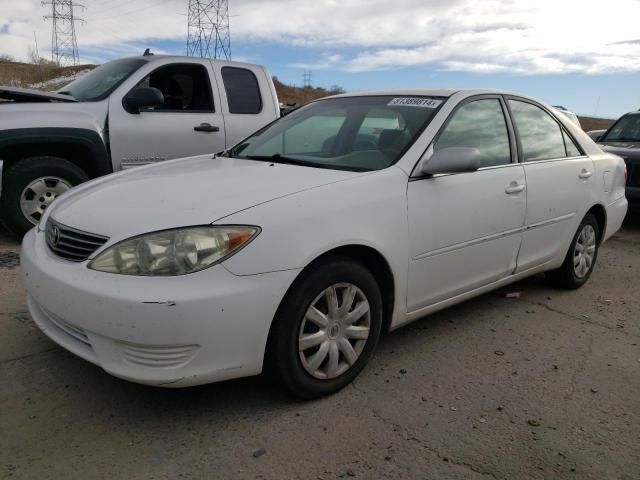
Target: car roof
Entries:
(428, 92)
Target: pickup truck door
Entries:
(248, 99)
(190, 122)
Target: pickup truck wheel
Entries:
(31, 185)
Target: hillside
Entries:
(51, 77)
(591, 123)
(44, 76)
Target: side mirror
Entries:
(142, 97)
(452, 160)
(596, 135)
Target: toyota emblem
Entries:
(55, 236)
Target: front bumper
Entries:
(171, 331)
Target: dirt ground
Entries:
(542, 386)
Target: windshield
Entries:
(101, 81)
(627, 129)
(351, 133)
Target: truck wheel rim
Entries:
(584, 251)
(38, 195)
(334, 331)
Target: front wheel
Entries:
(31, 185)
(326, 328)
(581, 257)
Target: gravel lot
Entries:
(542, 386)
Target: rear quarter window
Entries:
(243, 91)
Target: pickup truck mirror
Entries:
(452, 160)
(596, 135)
(142, 97)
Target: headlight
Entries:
(173, 252)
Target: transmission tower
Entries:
(306, 79)
(208, 35)
(64, 46)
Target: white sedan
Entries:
(297, 248)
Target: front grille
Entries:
(70, 243)
(633, 174)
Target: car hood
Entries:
(183, 192)
(26, 95)
(627, 150)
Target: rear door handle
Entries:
(513, 188)
(584, 174)
(206, 127)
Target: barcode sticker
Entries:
(415, 102)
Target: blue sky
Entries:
(587, 59)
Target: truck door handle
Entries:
(206, 127)
(584, 174)
(513, 188)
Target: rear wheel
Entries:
(31, 185)
(581, 257)
(326, 328)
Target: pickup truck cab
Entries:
(125, 113)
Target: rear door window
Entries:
(541, 137)
(243, 91)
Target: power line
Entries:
(208, 29)
(64, 45)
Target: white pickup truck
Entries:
(127, 112)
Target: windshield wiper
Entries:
(277, 158)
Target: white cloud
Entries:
(480, 36)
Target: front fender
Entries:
(20, 138)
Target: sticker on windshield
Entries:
(415, 102)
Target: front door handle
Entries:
(513, 188)
(584, 174)
(206, 127)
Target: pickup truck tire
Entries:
(38, 180)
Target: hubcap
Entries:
(38, 195)
(334, 331)
(584, 251)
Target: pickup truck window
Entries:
(185, 86)
(627, 129)
(348, 133)
(243, 92)
(101, 81)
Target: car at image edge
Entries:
(623, 139)
(296, 248)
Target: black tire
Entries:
(283, 357)
(565, 276)
(18, 176)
